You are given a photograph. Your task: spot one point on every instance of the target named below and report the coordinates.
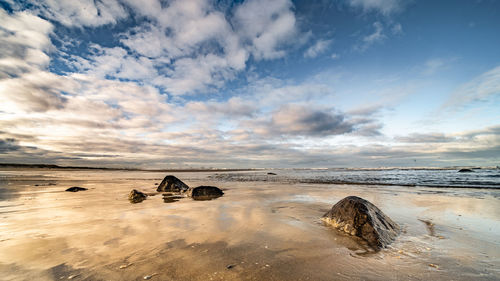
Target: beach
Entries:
(258, 230)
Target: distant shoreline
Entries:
(52, 166)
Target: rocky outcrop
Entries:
(204, 192)
(172, 184)
(465, 171)
(76, 189)
(358, 217)
(135, 196)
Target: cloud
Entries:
(34, 91)
(233, 108)
(385, 7)
(81, 13)
(24, 43)
(266, 26)
(183, 47)
(7, 145)
(376, 36)
(397, 29)
(318, 48)
(426, 138)
(432, 66)
(480, 89)
(301, 120)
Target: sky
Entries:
(250, 84)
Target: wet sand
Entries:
(260, 230)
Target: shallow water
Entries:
(261, 230)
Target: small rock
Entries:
(76, 189)
(204, 192)
(125, 265)
(135, 196)
(465, 171)
(433, 265)
(73, 276)
(171, 183)
(147, 277)
(271, 174)
(229, 266)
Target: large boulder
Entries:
(204, 192)
(135, 196)
(172, 184)
(358, 217)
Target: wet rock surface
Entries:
(172, 184)
(358, 217)
(204, 192)
(76, 189)
(135, 196)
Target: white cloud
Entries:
(266, 26)
(24, 43)
(482, 88)
(385, 7)
(82, 12)
(178, 39)
(318, 48)
(376, 37)
(397, 29)
(432, 66)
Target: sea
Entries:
(426, 177)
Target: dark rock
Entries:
(465, 171)
(360, 218)
(135, 196)
(272, 174)
(76, 189)
(171, 183)
(204, 192)
(229, 266)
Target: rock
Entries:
(465, 171)
(135, 196)
(229, 266)
(271, 174)
(76, 189)
(204, 192)
(171, 183)
(360, 218)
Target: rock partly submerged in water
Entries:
(204, 192)
(271, 174)
(465, 171)
(135, 196)
(172, 184)
(358, 217)
(76, 189)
